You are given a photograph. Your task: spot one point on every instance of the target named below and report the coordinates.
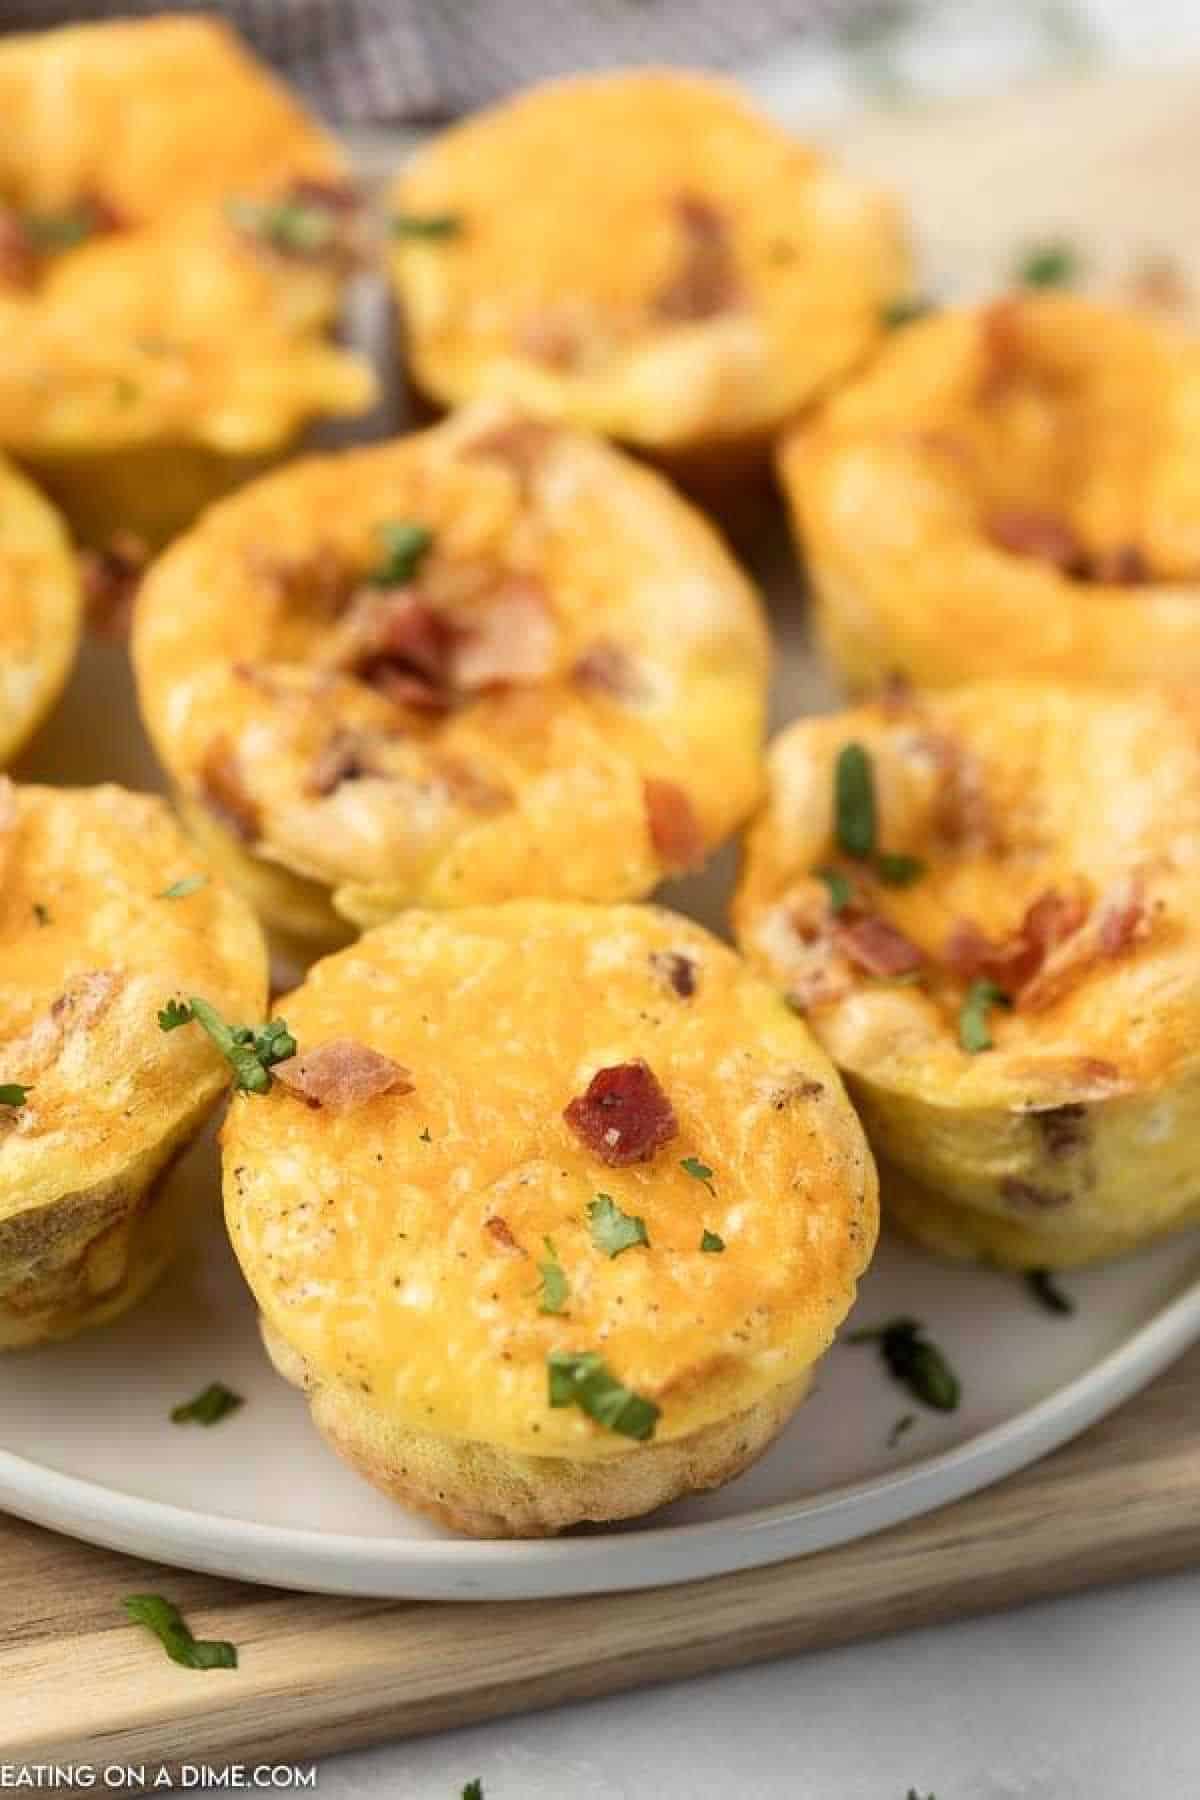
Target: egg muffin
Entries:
(492, 660)
(174, 234)
(1009, 490)
(983, 900)
(40, 609)
(106, 914)
(644, 254)
(552, 1213)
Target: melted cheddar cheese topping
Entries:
(396, 1246)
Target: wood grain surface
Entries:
(318, 1674)
(1112, 161)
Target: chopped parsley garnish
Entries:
(895, 869)
(582, 1378)
(250, 1050)
(1047, 1292)
(974, 1028)
(856, 828)
(166, 1622)
(1048, 265)
(41, 913)
(292, 227)
(209, 1407)
(405, 547)
(711, 1243)
(64, 230)
(179, 890)
(903, 312)
(426, 225)
(903, 1425)
(854, 801)
(13, 1094)
(841, 893)
(556, 1288)
(914, 1362)
(691, 1165)
(612, 1229)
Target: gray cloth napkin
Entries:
(379, 60)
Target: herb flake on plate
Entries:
(614, 1230)
(164, 1619)
(209, 1407)
(1053, 264)
(916, 1363)
(582, 1378)
(1047, 1293)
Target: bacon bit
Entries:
(1027, 1196)
(469, 786)
(552, 337)
(512, 640)
(875, 945)
(342, 759)
(522, 443)
(1124, 566)
(895, 694)
(1121, 917)
(342, 1075)
(605, 668)
(675, 831)
(624, 1116)
(1119, 920)
(1161, 282)
(1042, 536)
(1012, 963)
(498, 1228)
(1003, 342)
(110, 578)
(963, 813)
(397, 643)
(676, 970)
(322, 582)
(410, 632)
(1063, 1129)
(706, 282)
(223, 791)
(19, 261)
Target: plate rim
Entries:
(304, 1559)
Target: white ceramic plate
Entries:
(88, 1446)
(87, 1443)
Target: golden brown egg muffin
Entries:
(984, 901)
(492, 660)
(643, 254)
(1009, 490)
(105, 915)
(174, 231)
(552, 1214)
(40, 609)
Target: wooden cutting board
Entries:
(319, 1674)
(1111, 163)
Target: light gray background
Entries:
(1093, 1698)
